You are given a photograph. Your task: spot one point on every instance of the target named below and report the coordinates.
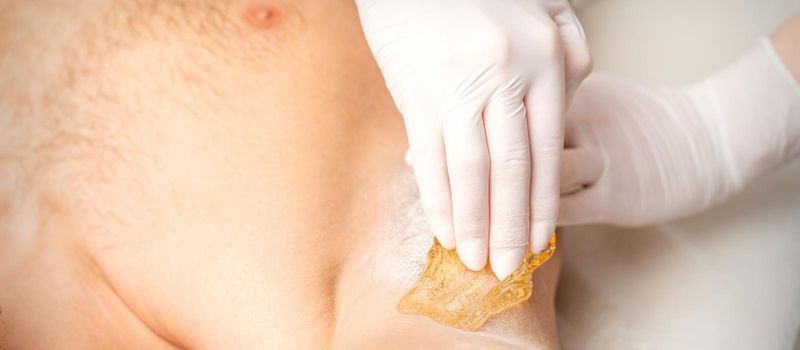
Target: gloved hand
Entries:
(481, 85)
(650, 154)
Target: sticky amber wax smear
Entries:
(450, 293)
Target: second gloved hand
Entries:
(482, 86)
(648, 154)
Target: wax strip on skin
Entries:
(450, 293)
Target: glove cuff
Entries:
(754, 105)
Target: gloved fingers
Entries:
(579, 168)
(545, 105)
(468, 170)
(509, 182)
(430, 169)
(577, 58)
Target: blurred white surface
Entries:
(676, 40)
(726, 279)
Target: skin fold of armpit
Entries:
(450, 293)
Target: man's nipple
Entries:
(261, 16)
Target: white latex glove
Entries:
(651, 154)
(481, 87)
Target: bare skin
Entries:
(204, 174)
(785, 40)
